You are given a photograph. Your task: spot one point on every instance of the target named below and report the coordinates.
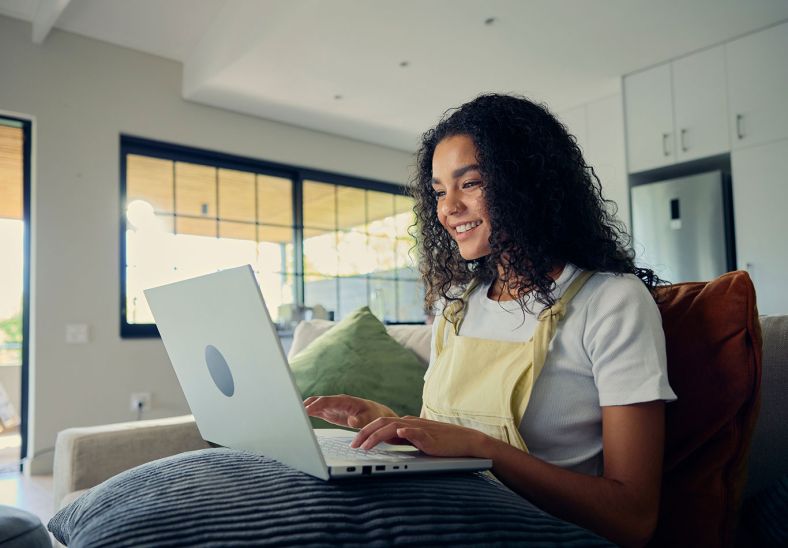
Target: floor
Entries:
(31, 493)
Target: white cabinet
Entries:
(700, 105)
(758, 86)
(677, 111)
(648, 103)
(760, 198)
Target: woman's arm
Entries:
(621, 505)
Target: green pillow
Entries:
(357, 357)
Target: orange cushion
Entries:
(713, 343)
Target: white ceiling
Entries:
(335, 65)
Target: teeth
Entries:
(467, 226)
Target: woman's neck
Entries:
(506, 290)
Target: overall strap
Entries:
(540, 340)
(559, 308)
(456, 311)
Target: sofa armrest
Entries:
(86, 456)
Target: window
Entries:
(356, 251)
(320, 244)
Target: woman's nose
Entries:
(451, 204)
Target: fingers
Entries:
(418, 437)
(382, 429)
(383, 434)
(321, 403)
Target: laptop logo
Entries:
(219, 370)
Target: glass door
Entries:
(14, 284)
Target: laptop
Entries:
(233, 371)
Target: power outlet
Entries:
(140, 401)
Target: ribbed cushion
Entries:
(20, 529)
(221, 497)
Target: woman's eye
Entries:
(439, 193)
(471, 184)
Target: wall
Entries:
(82, 94)
(599, 128)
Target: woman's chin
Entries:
(473, 254)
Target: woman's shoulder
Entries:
(617, 285)
(607, 294)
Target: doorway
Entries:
(14, 289)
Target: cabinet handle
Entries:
(665, 144)
(739, 126)
(684, 147)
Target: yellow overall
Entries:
(486, 384)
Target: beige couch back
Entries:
(414, 337)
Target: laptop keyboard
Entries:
(339, 448)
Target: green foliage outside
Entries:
(12, 328)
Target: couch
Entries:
(85, 457)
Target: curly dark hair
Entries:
(544, 202)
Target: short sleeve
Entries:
(625, 343)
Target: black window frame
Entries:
(130, 144)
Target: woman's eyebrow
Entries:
(459, 172)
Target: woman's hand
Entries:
(434, 438)
(345, 410)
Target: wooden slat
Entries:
(274, 200)
(236, 195)
(403, 204)
(11, 172)
(405, 217)
(195, 190)
(351, 209)
(149, 179)
(380, 210)
(237, 231)
(196, 227)
(380, 205)
(319, 205)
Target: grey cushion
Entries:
(765, 516)
(768, 460)
(221, 497)
(20, 529)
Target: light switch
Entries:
(77, 333)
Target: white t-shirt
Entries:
(608, 350)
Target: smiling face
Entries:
(458, 183)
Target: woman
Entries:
(548, 356)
